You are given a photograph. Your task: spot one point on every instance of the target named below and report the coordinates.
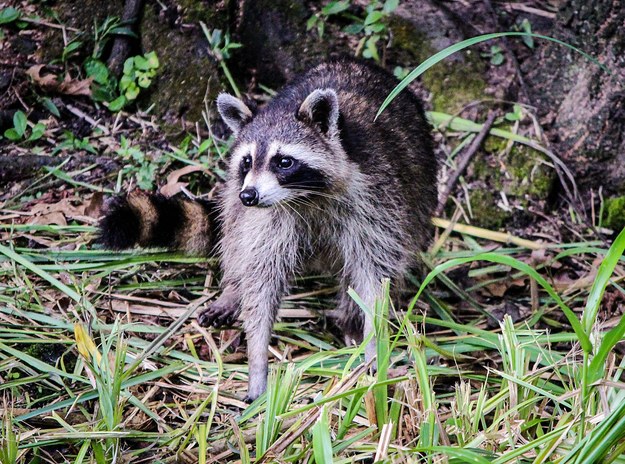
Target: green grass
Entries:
(87, 376)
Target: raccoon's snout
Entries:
(249, 197)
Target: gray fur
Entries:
(233, 111)
(366, 224)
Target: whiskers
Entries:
(304, 190)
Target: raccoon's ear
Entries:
(234, 112)
(321, 108)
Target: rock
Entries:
(187, 73)
(584, 104)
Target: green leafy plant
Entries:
(105, 87)
(495, 54)
(400, 72)
(526, 26)
(71, 142)
(71, 49)
(138, 165)
(8, 15)
(8, 439)
(138, 74)
(373, 27)
(516, 114)
(104, 32)
(319, 20)
(322, 442)
(108, 370)
(220, 46)
(281, 388)
(20, 130)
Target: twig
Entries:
(76, 112)
(502, 237)
(165, 309)
(530, 10)
(40, 22)
(464, 162)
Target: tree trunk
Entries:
(584, 104)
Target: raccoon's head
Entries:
(290, 149)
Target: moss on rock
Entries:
(520, 173)
(83, 15)
(454, 87)
(185, 69)
(531, 178)
(485, 211)
(615, 213)
(454, 83)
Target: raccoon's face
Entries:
(284, 155)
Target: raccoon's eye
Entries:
(246, 163)
(285, 162)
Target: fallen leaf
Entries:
(40, 240)
(51, 83)
(48, 82)
(173, 185)
(55, 213)
(95, 205)
(71, 86)
(498, 288)
(54, 217)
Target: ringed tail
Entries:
(144, 220)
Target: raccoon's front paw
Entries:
(219, 314)
(351, 328)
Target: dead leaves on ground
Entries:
(173, 185)
(59, 213)
(52, 83)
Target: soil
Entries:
(506, 186)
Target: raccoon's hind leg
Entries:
(224, 311)
(366, 265)
(368, 286)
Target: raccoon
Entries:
(315, 183)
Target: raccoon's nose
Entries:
(249, 197)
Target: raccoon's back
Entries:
(395, 150)
(399, 139)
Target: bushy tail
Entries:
(152, 220)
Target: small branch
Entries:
(502, 237)
(82, 115)
(40, 22)
(464, 162)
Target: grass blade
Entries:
(606, 269)
(322, 443)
